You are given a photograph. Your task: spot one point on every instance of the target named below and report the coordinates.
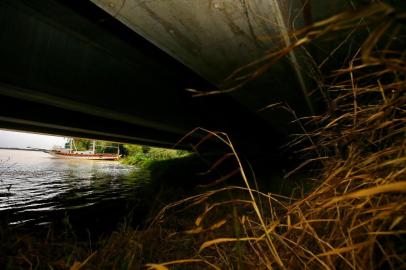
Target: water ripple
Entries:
(34, 182)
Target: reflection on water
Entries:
(34, 184)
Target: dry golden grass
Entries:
(354, 218)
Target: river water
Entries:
(39, 189)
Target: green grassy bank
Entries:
(144, 155)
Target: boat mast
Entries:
(74, 145)
(71, 146)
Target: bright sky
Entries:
(23, 139)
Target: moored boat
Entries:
(85, 156)
(70, 152)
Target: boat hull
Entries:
(85, 156)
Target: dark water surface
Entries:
(38, 189)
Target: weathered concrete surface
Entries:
(216, 37)
(69, 68)
(212, 37)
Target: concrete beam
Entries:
(69, 68)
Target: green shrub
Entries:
(140, 155)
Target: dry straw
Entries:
(354, 217)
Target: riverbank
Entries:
(120, 243)
(143, 155)
(354, 208)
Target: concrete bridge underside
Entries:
(70, 68)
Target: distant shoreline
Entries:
(25, 149)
